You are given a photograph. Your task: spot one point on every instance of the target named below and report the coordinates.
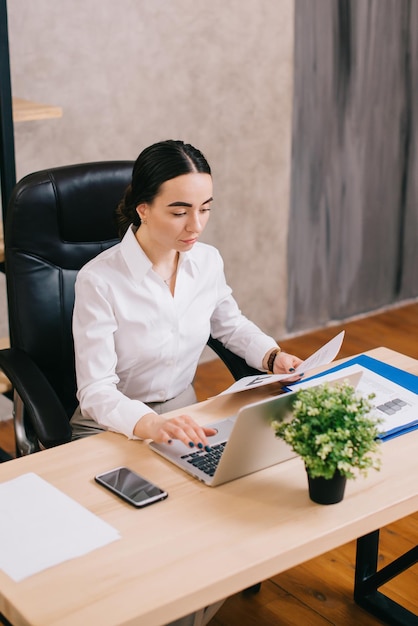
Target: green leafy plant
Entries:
(331, 428)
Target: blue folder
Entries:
(400, 377)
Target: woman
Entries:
(144, 309)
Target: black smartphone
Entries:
(130, 486)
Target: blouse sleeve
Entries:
(94, 325)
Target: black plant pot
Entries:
(327, 491)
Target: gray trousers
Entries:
(85, 426)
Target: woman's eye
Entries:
(179, 214)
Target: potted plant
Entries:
(331, 428)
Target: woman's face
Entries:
(178, 214)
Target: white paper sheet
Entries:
(323, 356)
(40, 526)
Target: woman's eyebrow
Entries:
(179, 203)
(187, 204)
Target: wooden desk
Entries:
(201, 544)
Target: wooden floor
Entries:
(320, 591)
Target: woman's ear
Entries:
(142, 210)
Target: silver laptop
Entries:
(244, 443)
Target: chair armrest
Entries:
(43, 408)
(236, 364)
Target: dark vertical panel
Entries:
(7, 145)
(353, 225)
(408, 274)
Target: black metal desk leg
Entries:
(368, 580)
(367, 552)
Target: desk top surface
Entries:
(201, 544)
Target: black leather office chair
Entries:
(57, 220)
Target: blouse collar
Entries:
(138, 262)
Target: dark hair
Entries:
(155, 165)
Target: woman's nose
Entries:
(194, 224)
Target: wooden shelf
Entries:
(26, 110)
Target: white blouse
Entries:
(136, 343)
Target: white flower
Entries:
(312, 411)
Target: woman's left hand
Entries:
(285, 363)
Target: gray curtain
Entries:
(353, 231)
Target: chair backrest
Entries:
(57, 220)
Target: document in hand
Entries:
(396, 391)
(323, 356)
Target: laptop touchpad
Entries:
(223, 428)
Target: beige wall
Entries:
(216, 73)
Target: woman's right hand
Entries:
(182, 427)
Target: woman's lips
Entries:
(189, 241)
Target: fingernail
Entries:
(291, 369)
(191, 444)
(200, 445)
(208, 448)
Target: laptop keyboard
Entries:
(207, 462)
